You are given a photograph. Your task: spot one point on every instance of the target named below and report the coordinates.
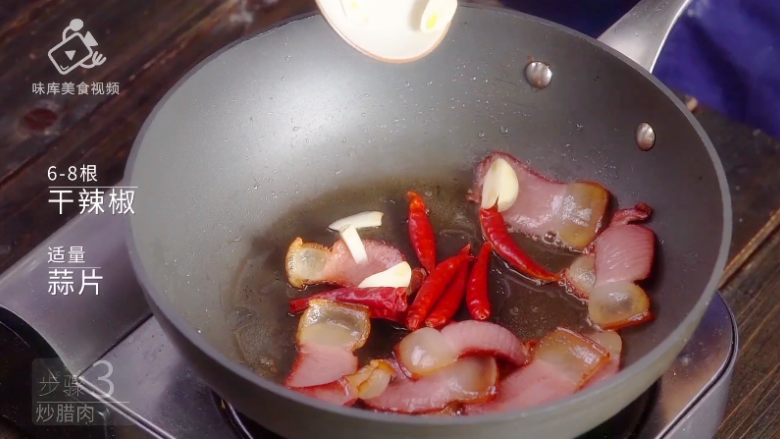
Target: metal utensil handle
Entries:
(642, 32)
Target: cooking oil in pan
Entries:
(258, 305)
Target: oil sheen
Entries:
(258, 303)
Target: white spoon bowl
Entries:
(386, 30)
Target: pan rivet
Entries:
(538, 74)
(645, 136)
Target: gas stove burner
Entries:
(627, 422)
(245, 427)
(624, 425)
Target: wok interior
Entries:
(290, 130)
(258, 304)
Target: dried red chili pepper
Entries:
(432, 289)
(450, 300)
(418, 277)
(384, 302)
(477, 299)
(421, 232)
(496, 233)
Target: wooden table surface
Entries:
(151, 44)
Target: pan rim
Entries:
(543, 412)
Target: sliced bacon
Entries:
(618, 305)
(450, 410)
(534, 210)
(638, 213)
(581, 276)
(319, 364)
(581, 214)
(362, 375)
(372, 379)
(563, 360)
(378, 380)
(611, 341)
(620, 256)
(339, 392)
(572, 354)
(471, 379)
(532, 385)
(312, 263)
(332, 323)
(472, 337)
(624, 253)
(428, 350)
(572, 212)
(424, 352)
(327, 334)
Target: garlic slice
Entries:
(362, 220)
(355, 245)
(437, 15)
(500, 186)
(356, 11)
(397, 276)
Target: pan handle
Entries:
(642, 32)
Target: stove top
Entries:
(107, 342)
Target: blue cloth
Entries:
(726, 53)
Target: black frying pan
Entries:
(286, 131)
